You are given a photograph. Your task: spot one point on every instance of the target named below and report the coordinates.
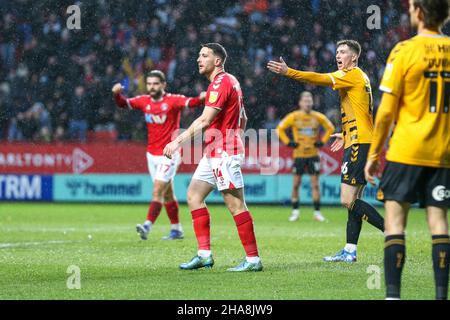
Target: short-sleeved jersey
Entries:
(162, 117)
(418, 73)
(305, 131)
(225, 94)
(356, 105)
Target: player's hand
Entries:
(371, 170)
(292, 144)
(318, 144)
(278, 67)
(171, 148)
(338, 142)
(117, 88)
(202, 96)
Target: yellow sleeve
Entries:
(286, 123)
(342, 79)
(327, 125)
(385, 116)
(392, 81)
(320, 79)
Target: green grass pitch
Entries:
(38, 242)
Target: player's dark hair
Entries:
(157, 74)
(352, 44)
(218, 50)
(435, 11)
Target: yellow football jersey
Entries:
(356, 105)
(305, 131)
(418, 73)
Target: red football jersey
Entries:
(225, 94)
(162, 117)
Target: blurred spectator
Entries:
(271, 121)
(10, 39)
(41, 117)
(78, 115)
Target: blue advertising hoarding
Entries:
(26, 188)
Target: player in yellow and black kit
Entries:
(305, 126)
(416, 86)
(357, 123)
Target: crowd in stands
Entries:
(55, 82)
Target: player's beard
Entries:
(156, 95)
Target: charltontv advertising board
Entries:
(118, 173)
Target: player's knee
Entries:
(193, 199)
(315, 188)
(158, 192)
(168, 197)
(346, 202)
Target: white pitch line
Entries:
(36, 243)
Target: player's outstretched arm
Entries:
(281, 68)
(120, 99)
(123, 102)
(197, 127)
(191, 102)
(385, 116)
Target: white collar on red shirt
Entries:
(223, 71)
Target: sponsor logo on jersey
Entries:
(310, 132)
(155, 118)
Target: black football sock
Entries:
(394, 259)
(316, 205)
(354, 225)
(441, 252)
(368, 213)
(295, 204)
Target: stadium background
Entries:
(63, 138)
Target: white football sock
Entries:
(148, 223)
(176, 226)
(349, 247)
(252, 259)
(204, 253)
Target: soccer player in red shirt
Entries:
(162, 114)
(224, 120)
